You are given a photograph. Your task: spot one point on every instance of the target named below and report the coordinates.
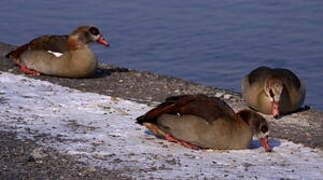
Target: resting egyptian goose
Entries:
(273, 91)
(199, 121)
(60, 55)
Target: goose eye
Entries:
(264, 129)
(94, 31)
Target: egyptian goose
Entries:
(273, 91)
(60, 55)
(199, 121)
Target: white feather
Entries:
(57, 54)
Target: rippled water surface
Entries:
(213, 42)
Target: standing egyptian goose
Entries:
(273, 91)
(60, 55)
(199, 121)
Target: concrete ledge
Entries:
(100, 131)
(57, 124)
(302, 127)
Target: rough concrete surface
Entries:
(304, 127)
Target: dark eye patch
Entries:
(95, 31)
(271, 93)
(264, 129)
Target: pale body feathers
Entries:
(253, 90)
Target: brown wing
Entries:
(169, 106)
(47, 42)
(288, 78)
(209, 108)
(259, 74)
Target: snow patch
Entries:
(102, 130)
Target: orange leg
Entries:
(158, 132)
(183, 143)
(26, 70)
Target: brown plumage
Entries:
(205, 122)
(60, 55)
(273, 91)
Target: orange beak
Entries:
(102, 41)
(265, 144)
(275, 108)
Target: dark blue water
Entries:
(213, 42)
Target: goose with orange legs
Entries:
(60, 55)
(199, 121)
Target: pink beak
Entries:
(265, 144)
(275, 108)
(102, 41)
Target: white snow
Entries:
(103, 130)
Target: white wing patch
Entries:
(56, 54)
